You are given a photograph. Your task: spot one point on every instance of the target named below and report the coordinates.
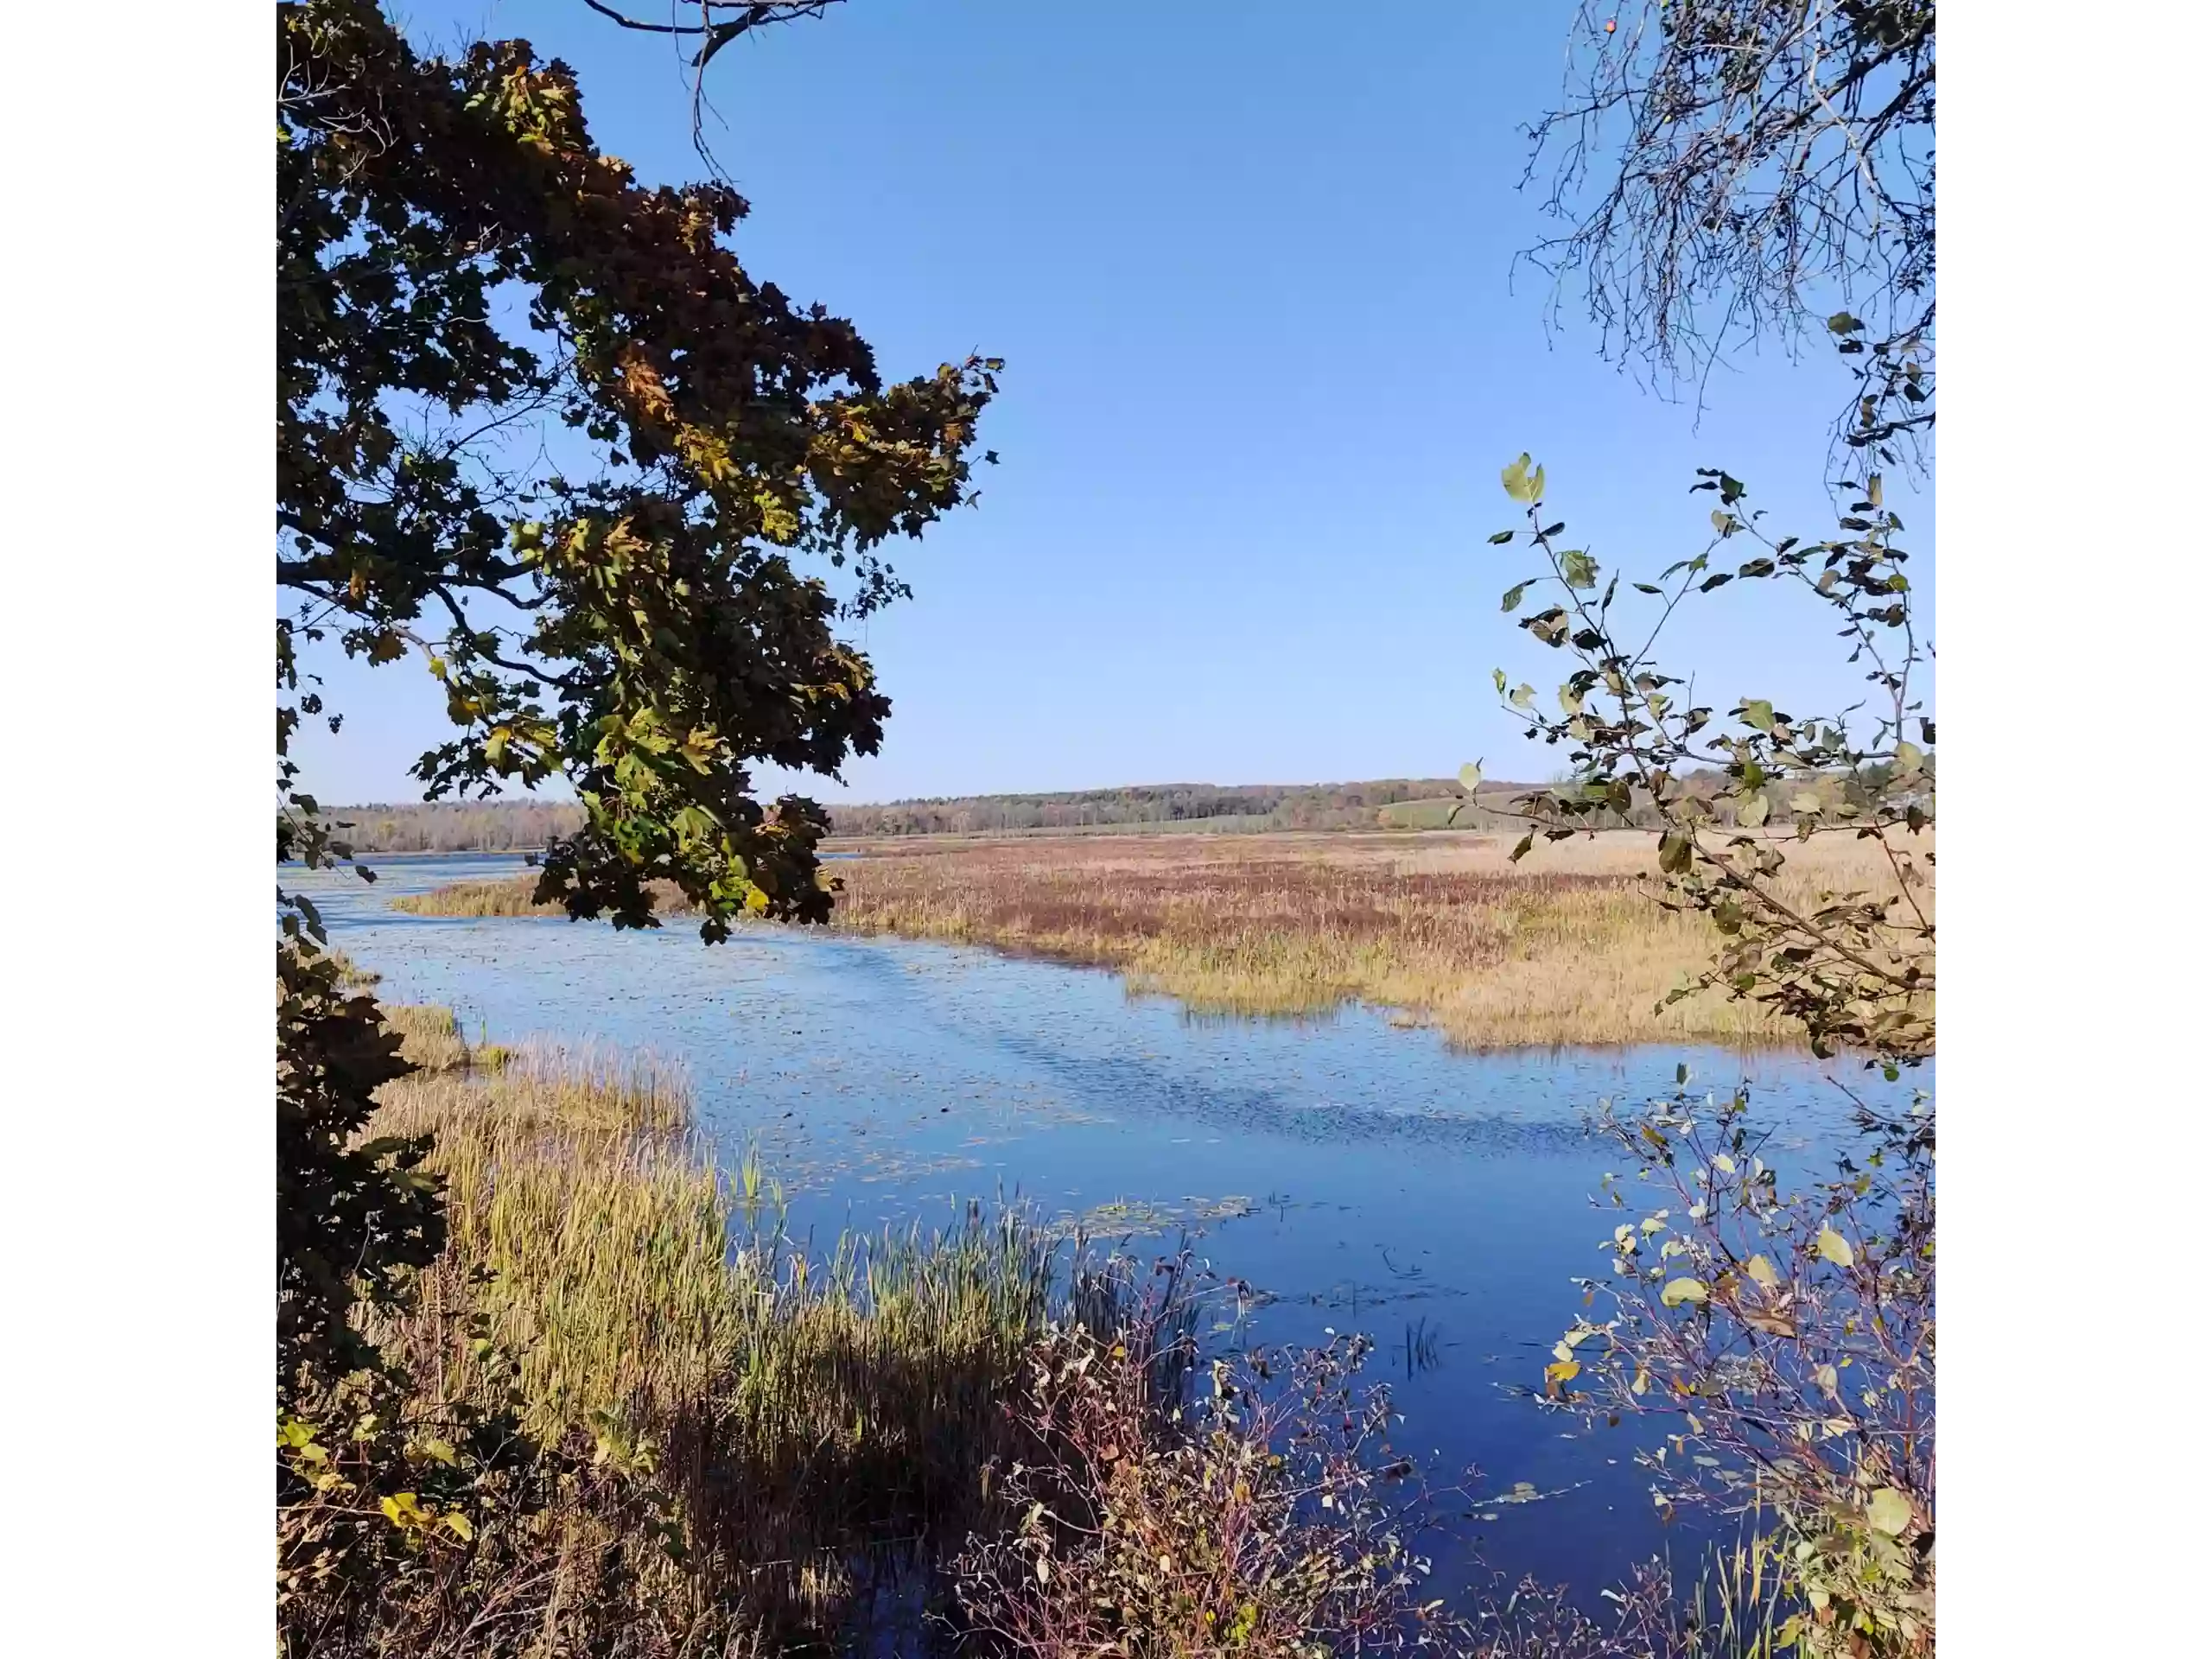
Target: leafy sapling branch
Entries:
(1857, 968)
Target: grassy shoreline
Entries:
(817, 1421)
(737, 1451)
(1567, 947)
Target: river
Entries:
(1360, 1175)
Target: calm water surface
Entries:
(1363, 1177)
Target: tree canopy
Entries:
(538, 424)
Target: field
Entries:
(1567, 946)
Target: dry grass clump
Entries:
(1568, 946)
(507, 896)
(514, 896)
(352, 976)
(428, 1037)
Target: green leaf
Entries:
(1890, 1511)
(1501, 539)
(1844, 323)
(1679, 1291)
(1832, 1246)
(1751, 810)
(1758, 714)
(1521, 850)
(1511, 602)
(1674, 852)
(1470, 775)
(1579, 568)
(1497, 678)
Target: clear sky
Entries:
(1250, 265)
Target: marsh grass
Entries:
(820, 1422)
(507, 896)
(513, 896)
(1567, 946)
(429, 1036)
(352, 976)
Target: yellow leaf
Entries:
(1679, 1291)
(1762, 1272)
(1833, 1247)
(1889, 1510)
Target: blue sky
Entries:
(1250, 266)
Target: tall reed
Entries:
(820, 1421)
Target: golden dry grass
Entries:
(1567, 946)
(429, 1036)
(509, 896)
(514, 896)
(814, 1414)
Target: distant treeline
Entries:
(1248, 808)
(457, 827)
(1383, 803)
(518, 826)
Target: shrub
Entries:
(1257, 1518)
(1788, 1338)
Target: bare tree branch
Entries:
(715, 33)
(1731, 169)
